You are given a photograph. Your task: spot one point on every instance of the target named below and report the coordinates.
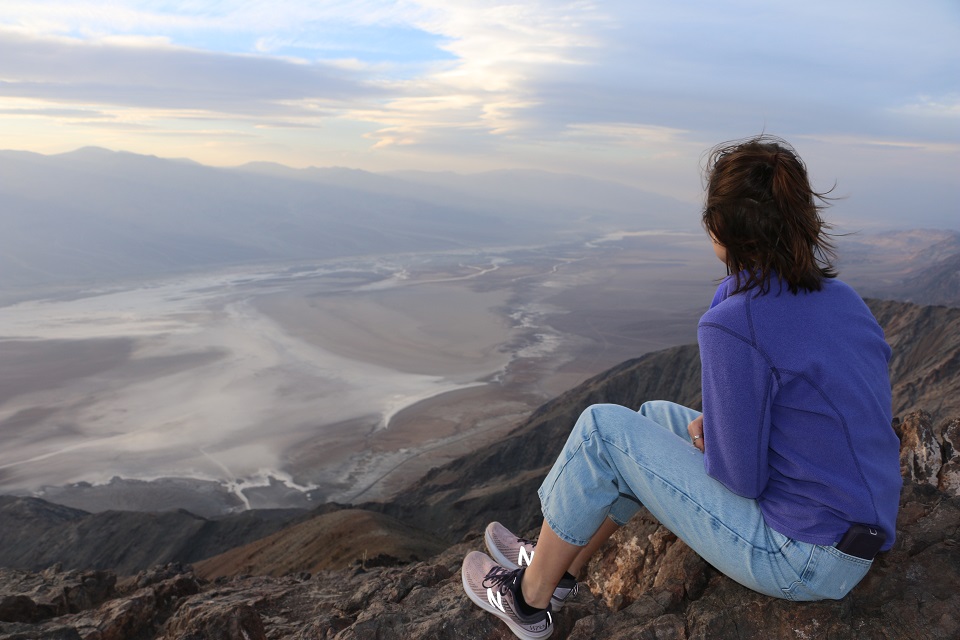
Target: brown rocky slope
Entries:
(330, 541)
(35, 534)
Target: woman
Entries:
(789, 480)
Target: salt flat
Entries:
(291, 384)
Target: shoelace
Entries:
(500, 578)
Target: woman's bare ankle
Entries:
(534, 595)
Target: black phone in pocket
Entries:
(862, 541)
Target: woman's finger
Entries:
(695, 429)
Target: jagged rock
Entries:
(85, 604)
(950, 471)
(158, 573)
(218, 623)
(38, 632)
(31, 597)
(20, 608)
(127, 617)
(920, 455)
(913, 591)
(929, 455)
(425, 600)
(286, 607)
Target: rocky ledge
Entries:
(645, 584)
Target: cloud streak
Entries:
(121, 74)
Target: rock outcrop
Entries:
(31, 597)
(925, 367)
(656, 587)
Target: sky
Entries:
(628, 90)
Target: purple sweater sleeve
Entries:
(738, 387)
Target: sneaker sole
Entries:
(517, 630)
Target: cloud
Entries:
(489, 85)
(48, 112)
(938, 147)
(312, 27)
(627, 134)
(425, 68)
(159, 76)
(947, 106)
(745, 65)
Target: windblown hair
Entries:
(761, 209)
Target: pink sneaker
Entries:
(513, 552)
(493, 588)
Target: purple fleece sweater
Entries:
(797, 409)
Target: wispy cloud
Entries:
(61, 69)
(925, 106)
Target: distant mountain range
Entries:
(915, 265)
(95, 214)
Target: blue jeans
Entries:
(617, 459)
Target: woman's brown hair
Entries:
(761, 209)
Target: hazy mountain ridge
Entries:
(915, 265)
(925, 365)
(36, 534)
(530, 194)
(146, 216)
(96, 214)
(93, 215)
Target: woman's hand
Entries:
(695, 429)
